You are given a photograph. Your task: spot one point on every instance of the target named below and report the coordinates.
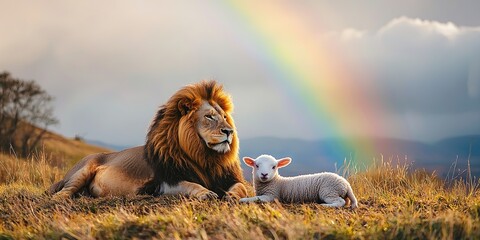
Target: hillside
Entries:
(68, 150)
(56, 155)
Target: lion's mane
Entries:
(194, 162)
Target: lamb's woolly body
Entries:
(305, 188)
(327, 188)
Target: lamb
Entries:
(328, 188)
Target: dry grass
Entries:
(34, 172)
(395, 202)
(49, 164)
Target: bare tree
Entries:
(25, 114)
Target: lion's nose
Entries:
(227, 131)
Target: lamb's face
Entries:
(265, 167)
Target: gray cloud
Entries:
(111, 64)
(426, 72)
(421, 66)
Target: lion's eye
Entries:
(209, 117)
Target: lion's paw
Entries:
(207, 195)
(231, 197)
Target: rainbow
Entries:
(313, 73)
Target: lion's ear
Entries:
(184, 106)
(249, 161)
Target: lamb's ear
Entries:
(249, 161)
(283, 162)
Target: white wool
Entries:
(326, 187)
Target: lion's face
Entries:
(194, 132)
(213, 127)
(195, 125)
(209, 123)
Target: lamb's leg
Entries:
(334, 202)
(262, 198)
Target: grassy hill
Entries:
(395, 202)
(55, 156)
(69, 150)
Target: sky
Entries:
(294, 69)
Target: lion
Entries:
(191, 149)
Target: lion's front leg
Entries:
(236, 192)
(190, 189)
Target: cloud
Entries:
(426, 73)
(405, 26)
(419, 66)
(111, 64)
(351, 34)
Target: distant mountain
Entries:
(107, 145)
(329, 154)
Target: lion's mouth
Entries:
(221, 147)
(219, 143)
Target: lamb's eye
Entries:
(209, 117)
(256, 165)
(273, 167)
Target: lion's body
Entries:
(191, 149)
(119, 173)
